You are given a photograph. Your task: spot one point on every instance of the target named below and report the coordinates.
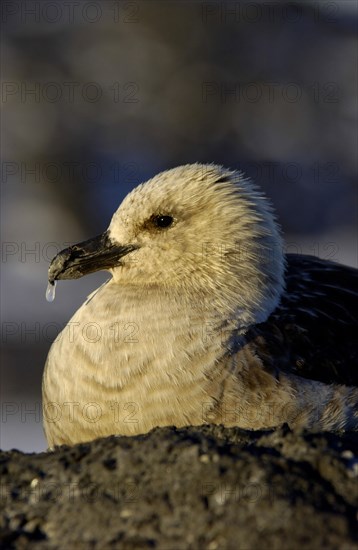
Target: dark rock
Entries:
(209, 488)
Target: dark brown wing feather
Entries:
(313, 332)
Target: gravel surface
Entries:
(193, 488)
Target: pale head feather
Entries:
(224, 245)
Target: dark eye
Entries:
(163, 221)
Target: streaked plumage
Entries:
(196, 324)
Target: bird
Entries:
(204, 320)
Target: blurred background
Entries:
(99, 96)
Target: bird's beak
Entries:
(96, 254)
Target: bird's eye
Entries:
(162, 221)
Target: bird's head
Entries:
(197, 230)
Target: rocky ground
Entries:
(194, 488)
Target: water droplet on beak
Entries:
(51, 291)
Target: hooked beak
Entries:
(96, 254)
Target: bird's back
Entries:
(313, 331)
